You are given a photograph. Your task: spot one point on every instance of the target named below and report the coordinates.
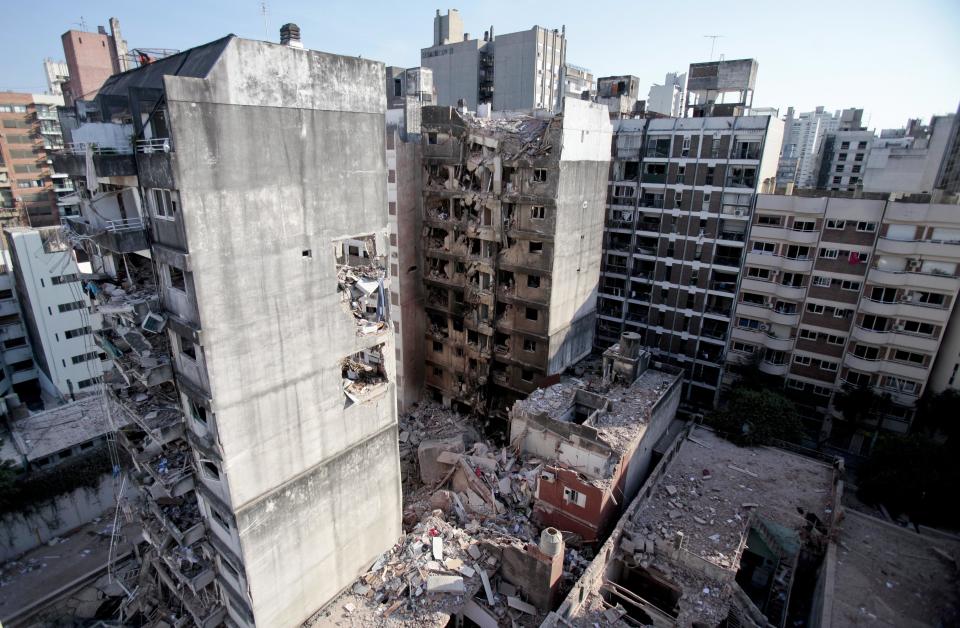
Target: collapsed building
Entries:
(596, 441)
(233, 206)
(719, 535)
(511, 236)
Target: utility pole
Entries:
(713, 43)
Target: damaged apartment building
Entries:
(234, 210)
(511, 234)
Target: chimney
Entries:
(290, 35)
(466, 36)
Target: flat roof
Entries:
(887, 575)
(43, 433)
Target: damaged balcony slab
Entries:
(361, 279)
(364, 377)
(127, 236)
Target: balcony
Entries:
(785, 317)
(154, 145)
(723, 286)
(117, 161)
(791, 293)
(171, 470)
(905, 309)
(919, 248)
(731, 236)
(773, 368)
(205, 608)
(895, 337)
(904, 279)
(119, 236)
(794, 236)
(180, 518)
(862, 364)
(728, 261)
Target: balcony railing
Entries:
(154, 145)
(127, 224)
(80, 148)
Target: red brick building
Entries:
(92, 58)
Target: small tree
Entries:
(758, 417)
(937, 414)
(859, 404)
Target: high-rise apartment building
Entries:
(91, 59)
(842, 157)
(239, 234)
(668, 99)
(512, 230)
(18, 371)
(679, 204)
(803, 136)
(57, 74)
(949, 176)
(29, 187)
(577, 82)
(516, 71)
(841, 291)
(913, 163)
(55, 309)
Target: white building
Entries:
(909, 164)
(668, 98)
(57, 74)
(55, 310)
(802, 138)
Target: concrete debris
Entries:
(521, 606)
(445, 584)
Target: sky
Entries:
(896, 60)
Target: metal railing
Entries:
(80, 148)
(127, 224)
(154, 145)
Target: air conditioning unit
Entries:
(546, 476)
(738, 212)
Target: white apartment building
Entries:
(668, 98)
(803, 135)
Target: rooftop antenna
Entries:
(713, 43)
(82, 24)
(264, 12)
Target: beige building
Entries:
(838, 291)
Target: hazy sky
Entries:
(894, 59)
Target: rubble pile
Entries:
(362, 293)
(363, 373)
(182, 513)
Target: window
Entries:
(437, 371)
(437, 347)
(526, 375)
(829, 253)
(69, 307)
(540, 175)
(840, 312)
(834, 340)
(855, 168)
(758, 273)
(814, 308)
(685, 149)
(836, 224)
(867, 227)
(164, 203)
(6, 294)
(431, 138)
(804, 225)
(931, 298)
(826, 365)
(748, 323)
(858, 157)
(861, 145)
(741, 347)
(908, 356)
(853, 286)
(678, 198)
(773, 221)
(822, 282)
(176, 278)
(187, 348)
(681, 173)
(840, 168)
(210, 470)
(842, 157)
(533, 281)
(883, 295)
(837, 180)
(866, 352)
(14, 342)
(706, 201)
(198, 412)
(86, 383)
(86, 357)
(532, 314)
(764, 248)
(537, 212)
(529, 345)
(844, 145)
(802, 360)
(574, 497)
(807, 334)
(536, 246)
(916, 327)
(62, 279)
(220, 519)
(709, 178)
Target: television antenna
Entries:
(82, 24)
(713, 43)
(264, 12)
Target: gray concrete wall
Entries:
(515, 71)
(279, 152)
(581, 203)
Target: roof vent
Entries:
(290, 35)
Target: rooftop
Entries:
(887, 575)
(43, 433)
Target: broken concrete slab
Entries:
(520, 605)
(445, 584)
(437, 546)
(431, 470)
(486, 586)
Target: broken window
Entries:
(176, 278)
(431, 138)
(526, 375)
(536, 246)
(540, 175)
(538, 212)
(363, 374)
(210, 470)
(198, 412)
(360, 275)
(574, 497)
(631, 169)
(187, 348)
(437, 347)
(532, 314)
(533, 281)
(529, 345)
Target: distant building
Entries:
(578, 82)
(91, 59)
(843, 154)
(411, 83)
(516, 71)
(949, 177)
(803, 136)
(57, 74)
(913, 163)
(620, 94)
(29, 187)
(667, 99)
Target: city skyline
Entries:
(837, 64)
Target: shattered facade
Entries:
(596, 441)
(243, 290)
(512, 224)
(719, 536)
